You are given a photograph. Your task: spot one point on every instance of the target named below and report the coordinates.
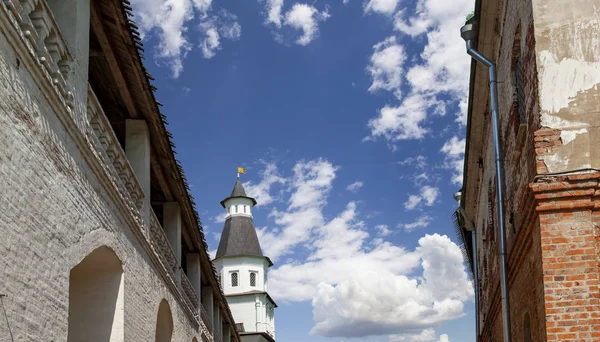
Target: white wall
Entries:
(244, 308)
(238, 207)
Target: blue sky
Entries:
(349, 118)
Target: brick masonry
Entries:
(551, 220)
(55, 211)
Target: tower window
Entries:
(234, 279)
(244, 209)
(253, 279)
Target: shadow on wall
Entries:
(96, 298)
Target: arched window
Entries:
(164, 323)
(96, 298)
(526, 328)
(253, 279)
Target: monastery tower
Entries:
(243, 270)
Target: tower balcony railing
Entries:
(40, 33)
(108, 151)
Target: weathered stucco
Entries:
(567, 35)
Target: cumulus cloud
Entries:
(427, 196)
(305, 18)
(310, 186)
(172, 21)
(262, 190)
(383, 230)
(385, 66)
(274, 16)
(421, 222)
(376, 303)
(438, 82)
(381, 6)
(354, 187)
(454, 151)
(301, 17)
(359, 284)
(427, 335)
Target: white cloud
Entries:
(274, 8)
(345, 2)
(354, 187)
(310, 186)
(438, 82)
(454, 150)
(224, 25)
(412, 202)
(262, 191)
(219, 218)
(421, 222)
(419, 162)
(171, 19)
(385, 66)
(427, 196)
(376, 303)
(383, 230)
(427, 335)
(306, 18)
(359, 285)
(381, 6)
(401, 122)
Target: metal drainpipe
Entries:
(468, 33)
(475, 269)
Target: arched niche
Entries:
(96, 298)
(164, 323)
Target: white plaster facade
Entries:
(71, 190)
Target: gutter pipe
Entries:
(468, 32)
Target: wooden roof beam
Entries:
(109, 54)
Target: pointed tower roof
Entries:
(238, 192)
(239, 236)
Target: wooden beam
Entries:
(98, 29)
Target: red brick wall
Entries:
(569, 241)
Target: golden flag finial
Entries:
(241, 170)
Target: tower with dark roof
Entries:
(243, 269)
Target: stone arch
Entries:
(164, 322)
(526, 328)
(96, 298)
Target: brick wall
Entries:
(551, 220)
(55, 211)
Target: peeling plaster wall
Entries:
(567, 35)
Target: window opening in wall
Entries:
(234, 279)
(236, 208)
(526, 328)
(244, 209)
(252, 279)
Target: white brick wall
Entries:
(54, 211)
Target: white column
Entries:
(207, 302)
(216, 319)
(172, 226)
(137, 149)
(194, 272)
